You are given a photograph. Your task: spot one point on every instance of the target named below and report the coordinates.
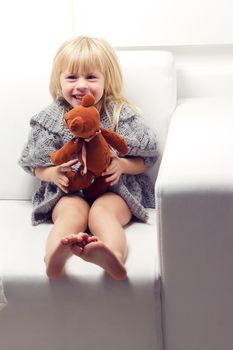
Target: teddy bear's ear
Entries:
(88, 100)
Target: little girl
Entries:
(88, 65)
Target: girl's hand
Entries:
(125, 165)
(114, 170)
(58, 174)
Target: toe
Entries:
(92, 239)
(76, 249)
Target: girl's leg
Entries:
(107, 217)
(70, 216)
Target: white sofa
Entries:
(85, 309)
(179, 292)
(195, 220)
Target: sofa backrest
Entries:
(150, 83)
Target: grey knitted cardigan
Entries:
(48, 133)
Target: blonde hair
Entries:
(80, 54)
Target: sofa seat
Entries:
(38, 309)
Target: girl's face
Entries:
(75, 85)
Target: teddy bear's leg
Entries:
(97, 188)
(79, 181)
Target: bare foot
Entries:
(98, 253)
(79, 240)
(56, 262)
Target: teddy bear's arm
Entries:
(115, 140)
(65, 153)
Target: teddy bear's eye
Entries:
(66, 120)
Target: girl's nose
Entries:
(82, 84)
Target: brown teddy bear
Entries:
(91, 145)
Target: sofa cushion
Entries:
(38, 309)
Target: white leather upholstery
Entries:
(195, 217)
(84, 310)
(193, 220)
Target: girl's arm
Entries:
(37, 150)
(56, 174)
(142, 147)
(140, 138)
(35, 158)
(119, 166)
(132, 166)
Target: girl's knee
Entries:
(71, 207)
(96, 212)
(109, 207)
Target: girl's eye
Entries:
(71, 77)
(91, 77)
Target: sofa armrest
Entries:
(194, 192)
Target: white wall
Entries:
(198, 32)
(157, 22)
(30, 32)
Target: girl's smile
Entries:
(74, 86)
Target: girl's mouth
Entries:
(77, 98)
